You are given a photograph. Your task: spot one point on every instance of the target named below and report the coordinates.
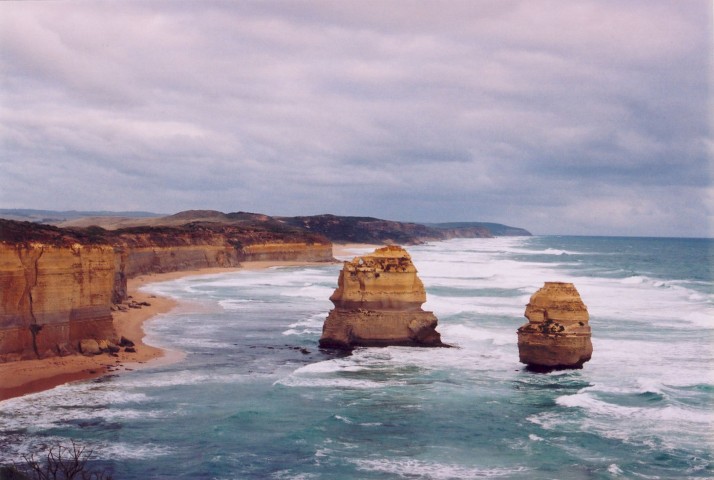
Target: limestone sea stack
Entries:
(557, 335)
(378, 303)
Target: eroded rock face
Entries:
(53, 296)
(557, 334)
(378, 302)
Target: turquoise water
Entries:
(247, 403)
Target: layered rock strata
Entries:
(51, 297)
(557, 334)
(169, 249)
(288, 252)
(378, 302)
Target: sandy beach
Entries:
(29, 376)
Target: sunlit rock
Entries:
(378, 302)
(557, 334)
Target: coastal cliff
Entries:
(53, 296)
(288, 252)
(557, 334)
(378, 302)
(57, 286)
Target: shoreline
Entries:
(31, 376)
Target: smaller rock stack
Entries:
(557, 335)
(378, 302)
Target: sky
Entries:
(562, 117)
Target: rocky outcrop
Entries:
(557, 334)
(53, 296)
(378, 302)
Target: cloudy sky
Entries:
(563, 117)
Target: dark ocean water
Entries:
(247, 403)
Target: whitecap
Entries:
(318, 292)
(328, 366)
(462, 333)
(344, 419)
(304, 331)
(555, 251)
(613, 412)
(234, 304)
(288, 474)
(131, 451)
(344, 383)
(613, 469)
(412, 468)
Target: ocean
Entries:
(255, 398)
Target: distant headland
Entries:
(336, 228)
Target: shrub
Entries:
(62, 462)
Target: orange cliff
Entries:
(163, 249)
(51, 297)
(557, 335)
(378, 302)
(58, 286)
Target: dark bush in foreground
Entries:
(61, 462)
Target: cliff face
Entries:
(57, 285)
(143, 260)
(145, 250)
(288, 252)
(557, 334)
(52, 296)
(378, 302)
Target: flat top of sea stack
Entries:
(389, 251)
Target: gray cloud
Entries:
(561, 117)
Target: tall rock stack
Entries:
(557, 334)
(378, 302)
